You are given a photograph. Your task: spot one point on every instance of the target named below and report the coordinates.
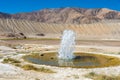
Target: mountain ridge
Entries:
(68, 15)
(4, 15)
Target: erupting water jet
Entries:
(67, 45)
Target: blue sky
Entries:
(16, 6)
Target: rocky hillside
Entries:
(66, 15)
(24, 28)
(69, 15)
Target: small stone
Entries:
(42, 55)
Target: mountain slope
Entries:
(100, 30)
(69, 15)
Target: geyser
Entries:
(67, 45)
(66, 57)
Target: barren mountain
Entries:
(69, 15)
(66, 15)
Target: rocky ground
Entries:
(11, 72)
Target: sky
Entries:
(17, 6)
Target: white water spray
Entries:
(67, 45)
